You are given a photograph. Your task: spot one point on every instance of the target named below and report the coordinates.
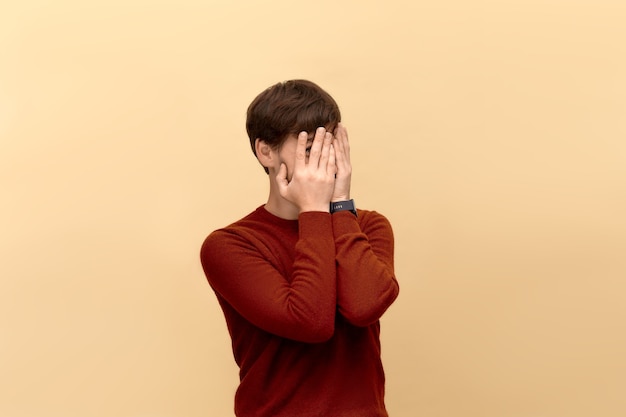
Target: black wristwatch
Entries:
(347, 205)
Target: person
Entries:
(304, 279)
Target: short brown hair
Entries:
(290, 107)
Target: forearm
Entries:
(366, 283)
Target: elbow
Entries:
(363, 314)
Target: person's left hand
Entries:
(344, 168)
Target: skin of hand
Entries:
(341, 191)
(311, 186)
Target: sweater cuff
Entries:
(311, 223)
(344, 222)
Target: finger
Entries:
(281, 178)
(340, 153)
(341, 132)
(332, 167)
(303, 137)
(316, 147)
(338, 144)
(328, 140)
(342, 135)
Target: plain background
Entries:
(492, 134)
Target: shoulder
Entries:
(229, 238)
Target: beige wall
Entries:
(491, 133)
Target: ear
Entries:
(264, 153)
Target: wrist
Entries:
(325, 208)
(340, 198)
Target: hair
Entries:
(287, 108)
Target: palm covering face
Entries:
(313, 180)
(321, 176)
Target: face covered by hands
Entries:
(321, 173)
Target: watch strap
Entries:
(347, 205)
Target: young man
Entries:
(304, 279)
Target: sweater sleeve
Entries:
(301, 307)
(366, 283)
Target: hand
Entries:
(344, 168)
(313, 179)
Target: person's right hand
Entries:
(313, 179)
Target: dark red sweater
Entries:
(302, 299)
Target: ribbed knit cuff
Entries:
(312, 223)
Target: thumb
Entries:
(281, 178)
